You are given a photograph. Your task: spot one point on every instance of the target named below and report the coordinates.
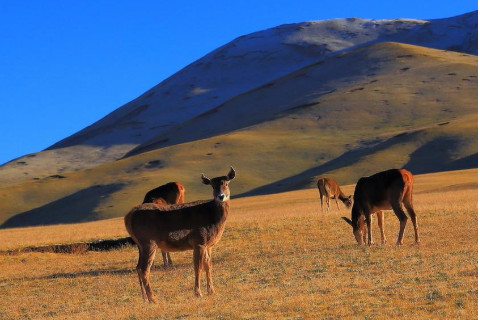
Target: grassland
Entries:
(280, 257)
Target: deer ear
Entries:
(205, 179)
(231, 174)
(348, 221)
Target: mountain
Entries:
(344, 98)
(242, 65)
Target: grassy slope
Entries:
(300, 264)
(390, 113)
(386, 85)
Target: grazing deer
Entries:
(170, 193)
(330, 189)
(196, 226)
(385, 190)
(380, 218)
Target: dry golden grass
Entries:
(296, 264)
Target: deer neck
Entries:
(222, 208)
(342, 196)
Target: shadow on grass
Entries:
(80, 206)
(97, 273)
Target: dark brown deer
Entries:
(196, 226)
(330, 189)
(170, 193)
(385, 190)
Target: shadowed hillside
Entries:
(78, 207)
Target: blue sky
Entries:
(66, 64)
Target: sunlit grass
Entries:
(279, 258)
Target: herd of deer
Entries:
(165, 222)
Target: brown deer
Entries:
(170, 193)
(385, 190)
(196, 226)
(330, 189)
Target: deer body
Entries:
(386, 190)
(170, 193)
(167, 194)
(330, 189)
(194, 223)
(196, 226)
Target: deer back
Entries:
(170, 193)
(179, 227)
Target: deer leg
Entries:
(368, 220)
(327, 201)
(170, 262)
(364, 234)
(198, 262)
(146, 261)
(321, 198)
(336, 201)
(380, 219)
(408, 205)
(208, 265)
(362, 237)
(167, 260)
(140, 273)
(402, 217)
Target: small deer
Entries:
(170, 193)
(330, 189)
(196, 226)
(385, 190)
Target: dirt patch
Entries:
(77, 248)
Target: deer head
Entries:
(358, 228)
(221, 191)
(349, 202)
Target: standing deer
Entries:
(330, 189)
(196, 226)
(170, 193)
(385, 190)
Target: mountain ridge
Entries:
(166, 138)
(309, 45)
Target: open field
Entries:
(280, 257)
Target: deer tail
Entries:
(181, 193)
(128, 224)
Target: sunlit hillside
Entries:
(383, 106)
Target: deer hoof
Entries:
(198, 294)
